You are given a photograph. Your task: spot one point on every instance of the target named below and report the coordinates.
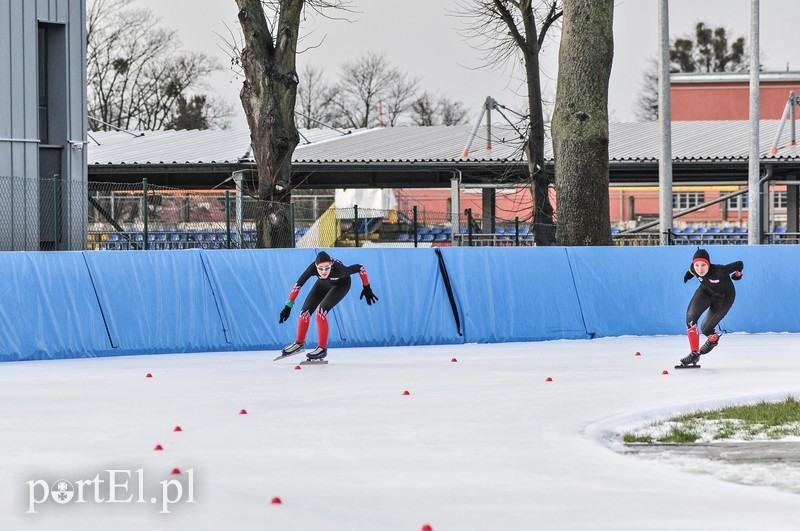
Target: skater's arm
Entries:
(734, 269)
(310, 270)
(688, 276)
(366, 292)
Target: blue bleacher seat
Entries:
(427, 238)
(440, 237)
(436, 231)
(403, 237)
(448, 231)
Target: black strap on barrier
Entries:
(449, 288)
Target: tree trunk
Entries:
(268, 96)
(543, 228)
(580, 122)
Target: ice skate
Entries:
(689, 361)
(317, 354)
(710, 343)
(315, 357)
(291, 350)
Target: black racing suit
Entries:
(716, 294)
(327, 292)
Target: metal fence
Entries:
(141, 216)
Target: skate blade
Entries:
(314, 362)
(289, 355)
(687, 366)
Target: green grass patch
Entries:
(763, 420)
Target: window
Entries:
(684, 200)
(779, 200)
(740, 201)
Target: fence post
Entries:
(516, 231)
(355, 222)
(416, 228)
(228, 216)
(291, 222)
(144, 214)
(469, 226)
(56, 199)
(57, 212)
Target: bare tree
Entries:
(314, 98)
(370, 88)
(269, 97)
(428, 110)
(647, 102)
(580, 122)
(136, 71)
(509, 30)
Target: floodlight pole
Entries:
(754, 193)
(665, 126)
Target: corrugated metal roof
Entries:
(208, 146)
(633, 142)
(727, 140)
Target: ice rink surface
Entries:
(483, 443)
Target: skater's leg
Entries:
(315, 296)
(322, 328)
(719, 309)
(302, 326)
(331, 299)
(700, 302)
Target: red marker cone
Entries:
(638, 354)
(148, 375)
(276, 501)
(177, 428)
(243, 412)
(665, 372)
(158, 447)
(453, 360)
(548, 379)
(426, 527)
(175, 471)
(297, 367)
(405, 393)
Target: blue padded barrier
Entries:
(66, 305)
(640, 290)
(48, 308)
(412, 308)
(632, 290)
(252, 287)
(515, 294)
(157, 301)
(768, 295)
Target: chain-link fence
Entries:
(52, 214)
(220, 219)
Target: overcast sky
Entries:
(422, 38)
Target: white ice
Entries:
(485, 443)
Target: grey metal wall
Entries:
(19, 120)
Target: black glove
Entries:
(737, 275)
(367, 292)
(687, 277)
(285, 313)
